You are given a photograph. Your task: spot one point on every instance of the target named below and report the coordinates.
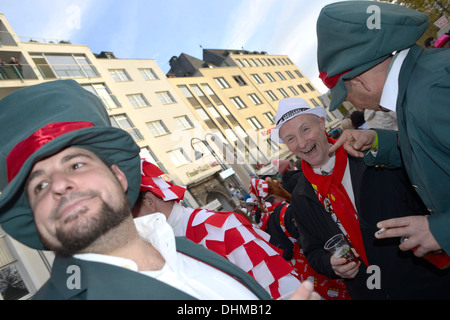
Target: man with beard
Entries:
(68, 180)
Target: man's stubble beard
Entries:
(89, 235)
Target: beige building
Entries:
(206, 123)
(236, 93)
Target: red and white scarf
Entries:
(330, 189)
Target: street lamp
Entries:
(199, 154)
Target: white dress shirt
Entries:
(390, 90)
(180, 271)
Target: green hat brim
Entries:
(339, 91)
(112, 145)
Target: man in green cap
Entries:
(68, 181)
(368, 56)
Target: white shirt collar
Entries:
(390, 90)
(154, 229)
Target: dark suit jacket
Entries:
(423, 113)
(380, 193)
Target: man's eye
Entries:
(40, 187)
(77, 165)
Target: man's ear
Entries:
(361, 82)
(121, 177)
(150, 201)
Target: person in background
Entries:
(229, 234)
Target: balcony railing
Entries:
(14, 72)
(43, 40)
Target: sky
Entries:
(161, 29)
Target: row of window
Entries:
(223, 84)
(120, 75)
(263, 62)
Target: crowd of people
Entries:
(73, 184)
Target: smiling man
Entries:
(338, 193)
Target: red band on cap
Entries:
(330, 82)
(24, 149)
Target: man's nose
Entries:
(61, 184)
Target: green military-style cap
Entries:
(354, 36)
(41, 120)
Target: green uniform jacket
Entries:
(423, 112)
(101, 281)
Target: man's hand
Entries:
(305, 292)
(343, 269)
(415, 228)
(355, 141)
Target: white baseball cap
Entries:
(290, 108)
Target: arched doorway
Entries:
(224, 203)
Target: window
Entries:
(165, 97)
(12, 284)
(223, 84)
(322, 101)
(188, 95)
(293, 90)
(239, 62)
(269, 117)
(270, 77)
(290, 74)
(147, 153)
(310, 87)
(314, 102)
(257, 78)
(238, 103)
(100, 90)
(138, 100)
(240, 81)
(214, 112)
(157, 128)
(119, 75)
(298, 73)
(184, 123)
(254, 122)
(178, 157)
(148, 74)
(302, 88)
(211, 93)
(283, 93)
(122, 121)
(255, 99)
(280, 75)
(200, 93)
(65, 66)
(271, 95)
